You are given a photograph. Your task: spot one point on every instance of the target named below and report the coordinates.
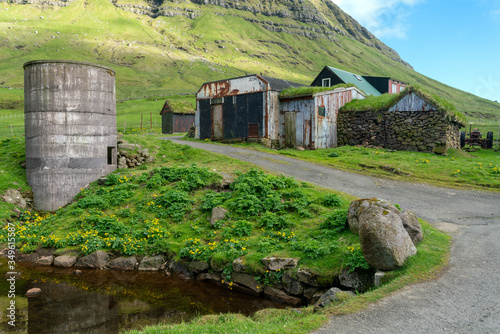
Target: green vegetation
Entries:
(309, 91)
(470, 170)
(478, 170)
(164, 209)
(386, 101)
(172, 55)
(431, 258)
(182, 104)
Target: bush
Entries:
(331, 200)
(271, 221)
(335, 221)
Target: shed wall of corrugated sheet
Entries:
(412, 102)
(182, 122)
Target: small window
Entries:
(219, 100)
(326, 83)
(394, 88)
(358, 77)
(321, 111)
(111, 155)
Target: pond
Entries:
(109, 301)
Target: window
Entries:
(394, 88)
(326, 82)
(111, 155)
(358, 77)
(321, 111)
(219, 100)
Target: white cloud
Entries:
(384, 18)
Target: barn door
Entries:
(217, 129)
(290, 132)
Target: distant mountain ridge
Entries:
(173, 46)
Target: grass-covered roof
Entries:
(386, 101)
(308, 90)
(182, 104)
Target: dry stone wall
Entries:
(426, 131)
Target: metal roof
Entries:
(280, 84)
(355, 79)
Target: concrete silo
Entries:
(70, 128)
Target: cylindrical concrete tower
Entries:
(70, 128)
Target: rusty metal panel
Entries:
(217, 122)
(253, 130)
(205, 119)
(231, 87)
(167, 123)
(181, 122)
(290, 129)
(412, 102)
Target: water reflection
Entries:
(106, 301)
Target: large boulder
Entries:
(357, 207)
(384, 242)
(412, 226)
(95, 260)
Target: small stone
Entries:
(217, 214)
(77, 272)
(33, 292)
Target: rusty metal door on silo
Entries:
(217, 129)
(290, 131)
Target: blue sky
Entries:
(456, 42)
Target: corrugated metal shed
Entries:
(174, 122)
(242, 107)
(311, 121)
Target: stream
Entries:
(109, 301)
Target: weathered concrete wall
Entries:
(70, 128)
(427, 131)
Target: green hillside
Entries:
(171, 47)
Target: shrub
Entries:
(335, 221)
(213, 199)
(331, 200)
(271, 221)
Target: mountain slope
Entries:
(161, 47)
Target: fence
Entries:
(13, 125)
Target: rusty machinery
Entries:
(474, 139)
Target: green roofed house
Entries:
(370, 85)
(177, 116)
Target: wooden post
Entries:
(124, 124)
(151, 119)
(141, 122)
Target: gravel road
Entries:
(466, 299)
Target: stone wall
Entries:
(426, 131)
